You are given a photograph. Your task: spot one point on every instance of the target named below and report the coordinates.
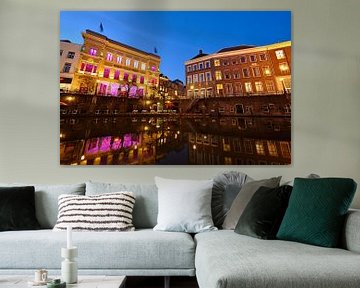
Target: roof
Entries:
(119, 43)
(234, 48)
(201, 54)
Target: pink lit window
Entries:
(93, 51)
(95, 68)
(89, 68)
(106, 72)
(153, 68)
(142, 80)
(117, 74)
(82, 67)
(126, 76)
(134, 76)
(109, 57)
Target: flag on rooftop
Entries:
(101, 27)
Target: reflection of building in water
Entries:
(240, 70)
(108, 67)
(69, 57)
(208, 149)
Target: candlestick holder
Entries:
(69, 271)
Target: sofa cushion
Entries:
(184, 205)
(243, 198)
(46, 200)
(316, 211)
(142, 249)
(225, 259)
(105, 212)
(263, 215)
(225, 189)
(17, 208)
(146, 205)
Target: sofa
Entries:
(218, 259)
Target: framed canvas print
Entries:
(175, 87)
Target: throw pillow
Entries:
(226, 187)
(184, 205)
(243, 198)
(317, 209)
(106, 212)
(17, 209)
(263, 215)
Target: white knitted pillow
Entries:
(105, 212)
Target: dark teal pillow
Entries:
(316, 211)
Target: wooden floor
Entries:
(158, 282)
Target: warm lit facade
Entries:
(69, 57)
(107, 67)
(240, 71)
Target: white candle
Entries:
(69, 237)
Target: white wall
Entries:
(326, 91)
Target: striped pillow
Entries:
(105, 212)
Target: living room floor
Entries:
(158, 282)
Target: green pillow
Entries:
(316, 211)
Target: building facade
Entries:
(69, 57)
(240, 71)
(110, 68)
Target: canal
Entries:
(174, 140)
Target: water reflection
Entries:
(174, 140)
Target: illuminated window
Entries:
(142, 79)
(262, 57)
(207, 64)
(109, 57)
(201, 77)
(82, 67)
(246, 73)
(134, 77)
(106, 72)
(280, 54)
(216, 62)
(93, 51)
(285, 149)
(252, 58)
(226, 144)
(118, 59)
(266, 71)
(272, 148)
(243, 59)
(218, 75)
(208, 76)
(284, 67)
(248, 87)
(127, 62)
(256, 71)
(260, 149)
(71, 55)
(67, 67)
(143, 66)
(195, 78)
(201, 66)
(189, 79)
(270, 87)
(117, 75)
(126, 76)
(219, 87)
(136, 64)
(259, 86)
(88, 68)
(153, 68)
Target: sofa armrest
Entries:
(351, 234)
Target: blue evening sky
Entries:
(178, 35)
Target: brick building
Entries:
(69, 57)
(107, 67)
(240, 70)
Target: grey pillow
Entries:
(243, 198)
(226, 187)
(46, 200)
(184, 205)
(146, 204)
